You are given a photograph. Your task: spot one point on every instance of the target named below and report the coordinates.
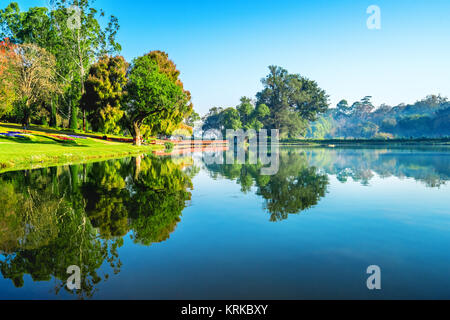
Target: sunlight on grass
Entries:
(20, 151)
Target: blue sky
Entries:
(223, 48)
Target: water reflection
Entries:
(429, 165)
(302, 178)
(77, 215)
(295, 187)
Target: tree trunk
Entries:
(53, 121)
(82, 93)
(84, 120)
(74, 118)
(137, 134)
(137, 170)
(26, 115)
(82, 75)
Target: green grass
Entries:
(46, 129)
(39, 150)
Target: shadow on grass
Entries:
(49, 142)
(94, 135)
(37, 128)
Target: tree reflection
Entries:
(158, 196)
(107, 198)
(77, 215)
(294, 188)
(430, 166)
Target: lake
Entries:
(185, 228)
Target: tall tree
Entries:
(292, 99)
(171, 121)
(230, 119)
(8, 58)
(342, 108)
(34, 72)
(258, 117)
(364, 107)
(245, 109)
(83, 39)
(104, 93)
(153, 97)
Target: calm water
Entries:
(160, 228)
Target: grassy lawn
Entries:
(42, 148)
(16, 127)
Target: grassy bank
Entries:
(41, 149)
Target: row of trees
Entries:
(146, 98)
(429, 117)
(74, 39)
(299, 108)
(245, 115)
(288, 102)
(59, 65)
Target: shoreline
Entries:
(33, 156)
(39, 147)
(366, 142)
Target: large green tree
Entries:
(245, 116)
(229, 119)
(293, 101)
(104, 94)
(170, 121)
(82, 40)
(245, 109)
(155, 98)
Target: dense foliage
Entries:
(429, 117)
(33, 79)
(288, 103)
(73, 50)
(104, 93)
(155, 98)
(75, 44)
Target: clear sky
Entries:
(223, 48)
